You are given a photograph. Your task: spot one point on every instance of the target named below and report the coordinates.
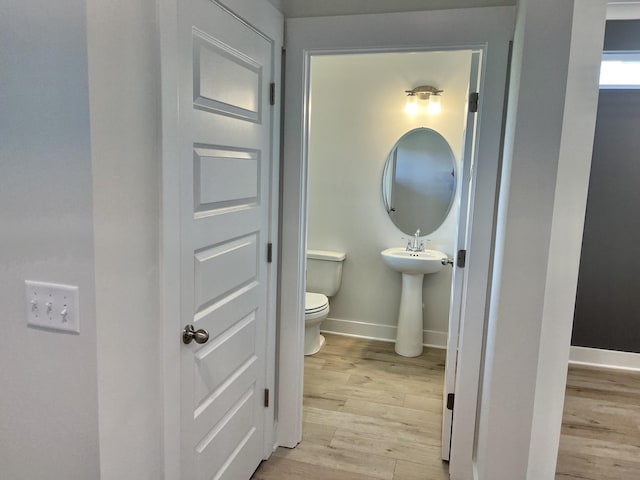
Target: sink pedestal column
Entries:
(409, 333)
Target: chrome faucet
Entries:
(415, 245)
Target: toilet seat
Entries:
(316, 309)
(315, 303)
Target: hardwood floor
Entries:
(601, 426)
(368, 414)
(371, 414)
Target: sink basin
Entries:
(427, 261)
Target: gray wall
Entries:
(48, 399)
(607, 313)
(622, 35)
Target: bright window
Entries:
(620, 70)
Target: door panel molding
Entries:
(233, 389)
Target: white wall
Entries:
(357, 115)
(124, 76)
(49, 399)
(550, 125)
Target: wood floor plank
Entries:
(317, 433)
(406, 416)
(364, 424)
(362, 428)
(577, 466)
(414, 471)
(321, 389)
(350, 347)
(326, 376)
(352, 461)
(601, 448)
(312, 362)
(408, 385)
(598, 418)
(601, 426)
(426, 453)
(378, 366)
(324, 402)
(280, 468)
(431, 404)
(371, 414)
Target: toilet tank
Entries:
(324, 271)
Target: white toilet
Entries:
(324, 274)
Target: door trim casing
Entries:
(268, 21)
(486, 29)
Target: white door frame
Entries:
(486, 29)
(266, 19)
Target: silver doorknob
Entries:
(190, 333)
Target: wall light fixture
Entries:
(427, 93)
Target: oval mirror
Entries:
(419, 181)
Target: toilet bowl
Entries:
(316, 309)
(324, 273)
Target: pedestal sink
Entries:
(413, 266)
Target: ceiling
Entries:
(319, 8)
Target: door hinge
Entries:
(272, 94)
(269, 252)
(461, 259)
(266, 397)
(451, 398)
(473, 102)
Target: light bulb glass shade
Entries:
(434, 106)
(411, 107)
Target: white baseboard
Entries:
(435, 339)
(596, 357)
(371, 331)
(374, 331)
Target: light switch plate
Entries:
(52, 306)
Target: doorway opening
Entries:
(604, 367)
(424, 32)
(356, 113)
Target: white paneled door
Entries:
(225, 68)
